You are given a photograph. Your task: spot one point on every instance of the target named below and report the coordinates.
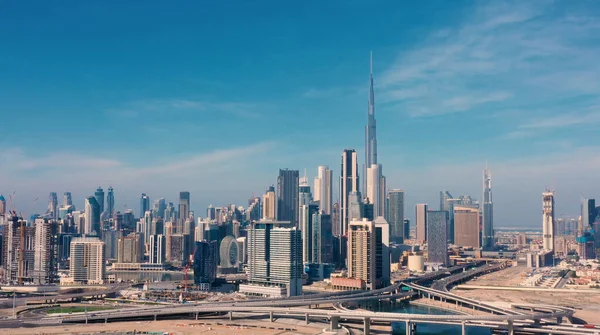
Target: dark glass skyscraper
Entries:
(110, 202)
(287, 195)
(396, 215)
(437, 238)
(205, 263)
(184, 207)
(99, 195)
(144, 204)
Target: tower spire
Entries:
(371, 63)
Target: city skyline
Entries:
(526, 137)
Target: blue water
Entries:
(423, 329)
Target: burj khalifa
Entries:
(374, 187)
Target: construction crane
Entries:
(186, 269)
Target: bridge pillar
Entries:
(86, 321)
(271, 316)
(334, 322)
(306, 317)
(154, 317)
(230, 315)
(463, 328)
(511, 329)
(367, 325)
(408, 328)
(196, 315)
(105, 320)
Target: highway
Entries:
(530, 318)
(103, 292)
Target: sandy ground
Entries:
(587, 305)
(177, 327)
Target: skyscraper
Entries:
(18, 251)
(370, 129)
(110, 202)
(305, 196)
(548, 229)
(444, 197)
(67, 199)
(323, 187)
(184, 209)
(157, 249)
(274, 259)
(322, 238)
(306, 227)
(92, 217)
(373, 179)
(159, 207)
(437, 239)
(287, 195)
(205, 263)
(99, 195)
(348, 183)
(88, 261)
(466, 226)
(368, 252)
(53, 206)
(2, 205)
(269, 204)
(144, 204)
(487, 213)
(395, 216)
(421, 223)
(45, 266)
(588, 212)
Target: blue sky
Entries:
(213, 98)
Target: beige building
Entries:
(361, 247)
(421, 223)
(368, 252)
(269, 207)
(466, 226)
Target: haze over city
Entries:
(214, 101)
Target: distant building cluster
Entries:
(292, 234)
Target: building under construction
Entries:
(18, 253)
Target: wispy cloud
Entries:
(323, 93)
(508, 55)
(143, 108)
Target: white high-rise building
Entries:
(374, 187)
(322, 189)
(274, 259)
(157, 249)
(548, 227)
(44, 267)
(92, 217)
(88, 258)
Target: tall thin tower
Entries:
(548, 229)
(370, 129)
(487, 214)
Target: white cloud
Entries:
(516, 55)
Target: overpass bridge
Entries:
(532, 319)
